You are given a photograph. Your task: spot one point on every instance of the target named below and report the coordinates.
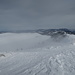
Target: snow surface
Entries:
(35, 54)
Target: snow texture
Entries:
(35, 54)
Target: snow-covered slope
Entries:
(35, 54)
(20, 41)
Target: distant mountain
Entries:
(43, 31)
(55, 32)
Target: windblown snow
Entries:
(36, 54)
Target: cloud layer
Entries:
(35, 14)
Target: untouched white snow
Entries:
(35, 54)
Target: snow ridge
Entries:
(62, 64)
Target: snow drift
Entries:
(36, 54)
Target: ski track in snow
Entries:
(35, 54)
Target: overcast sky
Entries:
(35, 14)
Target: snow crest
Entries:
(62, 64)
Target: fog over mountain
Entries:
(36, 14)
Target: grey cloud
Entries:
(34, 14)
